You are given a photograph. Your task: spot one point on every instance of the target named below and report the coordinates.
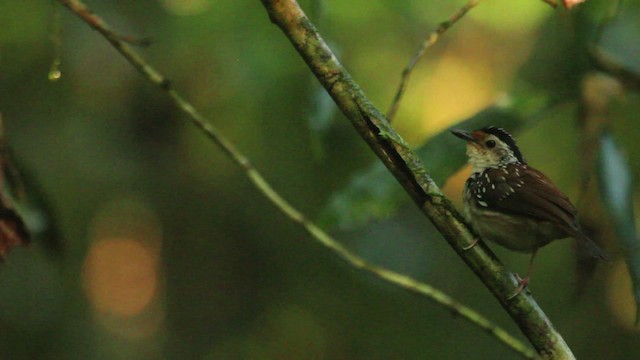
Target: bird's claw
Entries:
(522, 284)
(470, 246)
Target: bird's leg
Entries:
(473, 243)
(522, 283)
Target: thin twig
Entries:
(136, 41)
(433, 38)
(280, 203)
(551, 2)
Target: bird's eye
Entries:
(490, 144)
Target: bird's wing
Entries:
(523, 191)
(528, 192)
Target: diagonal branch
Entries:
(431, 40)
(403, 163)
(280, 203)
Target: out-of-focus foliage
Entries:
(614, 178)
(167, 252)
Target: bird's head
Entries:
(490, 147)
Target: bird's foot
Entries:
(470, 246)
(522, 284)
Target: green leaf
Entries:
(614, 178)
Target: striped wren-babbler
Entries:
(509, 202)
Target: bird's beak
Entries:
(464, 135)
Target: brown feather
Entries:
(522, 190)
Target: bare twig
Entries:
(280, 203)
(433, 38)
(552, 3)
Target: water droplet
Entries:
(54, 75)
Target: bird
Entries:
(508, 202)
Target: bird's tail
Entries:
(592, 248)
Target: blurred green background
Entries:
(158, 247)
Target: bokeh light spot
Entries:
(120, 276)
(454, 185)
(620, 296)
(472, 84)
